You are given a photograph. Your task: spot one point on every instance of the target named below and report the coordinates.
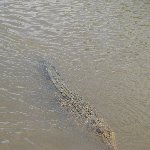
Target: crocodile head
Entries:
(108, 137)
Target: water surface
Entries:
(102, 51)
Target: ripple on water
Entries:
(101, 48)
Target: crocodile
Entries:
(83, 112)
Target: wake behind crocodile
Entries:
(80, 109)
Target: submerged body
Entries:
(84, 114)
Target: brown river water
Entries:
(101, 48)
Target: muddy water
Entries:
(102, 51)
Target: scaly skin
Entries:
(82, 111)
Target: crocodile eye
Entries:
(99, 131)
